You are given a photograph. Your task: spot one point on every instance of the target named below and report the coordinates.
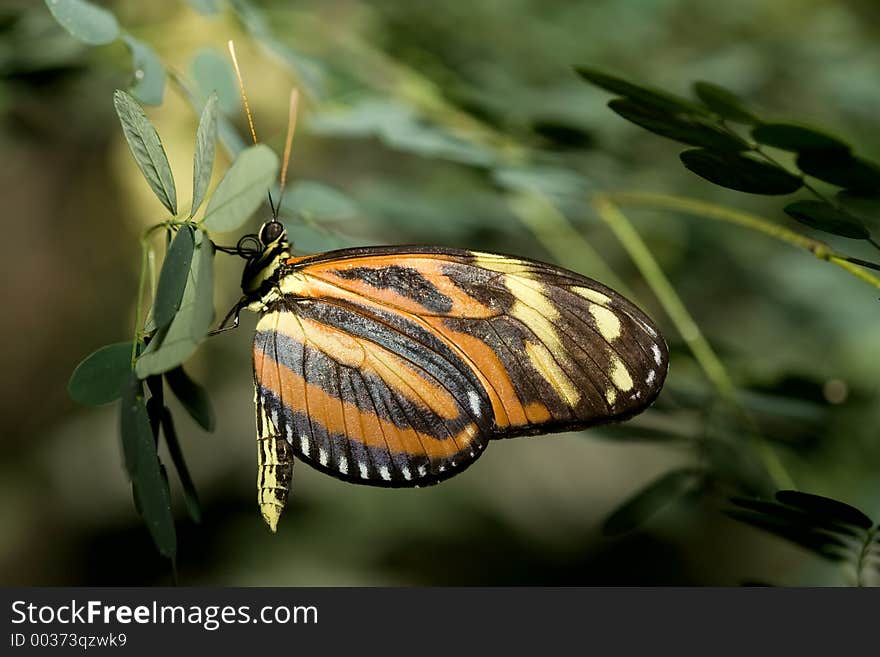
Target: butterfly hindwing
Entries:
(364, 401)
(395, 365)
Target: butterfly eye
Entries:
(270, 232)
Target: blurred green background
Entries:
(421, 122)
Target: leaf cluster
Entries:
(181, 315)
(831, 529)
(731, 142)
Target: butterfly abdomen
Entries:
(274, 471)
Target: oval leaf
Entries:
(85, 21)
(825, 507)
(841, 168)
(192, 396)
(797, 138)
(213, 74)
(102, 375)
(174, 344)
(151, 487)
(680, 128)
(203, 162)
(648, 501)
(724, 102)
(740, 172)
(133, 418)
(822, 216)
(642, 95)
(821, 542)
(149, 74)
(863, 206)
(146, 147)
(190, 497)
(242, 190)
(173, 277)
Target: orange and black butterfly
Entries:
(397, 365)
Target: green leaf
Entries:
(102, 375)
(724, 102)
(689, 130)
(740, 172)
(149, 74)
(203, 162)
(661, 492)
(642, 95)
(796, 137)
(133, 419)
(821, 542)
(190, 497)
(799, 519)
(171, 346)
(242, 190)
(822, 216)
(317, 200)
(146, 147)
(85, 21)
(173, 277)
(154, 413)
(841, 168)
(825, 507)
(192, 396)
(151, 487)
(230, 137)
(863, 206)
(213, 74)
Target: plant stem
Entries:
(140, 302)
(687, 328)
(711, 211)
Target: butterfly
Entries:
(396, 366)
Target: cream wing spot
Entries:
(544, 363)
(591, 295)
(362, 468)
(611, 395)
(606, 321)
(620, 376)
(304, 445)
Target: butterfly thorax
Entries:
(259, 281)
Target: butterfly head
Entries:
(265, 252)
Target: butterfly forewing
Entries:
(395, 365)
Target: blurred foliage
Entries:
(465, 125)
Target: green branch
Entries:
(711, 211)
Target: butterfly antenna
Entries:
(288, 144)
(247, 107)
(247, 110)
